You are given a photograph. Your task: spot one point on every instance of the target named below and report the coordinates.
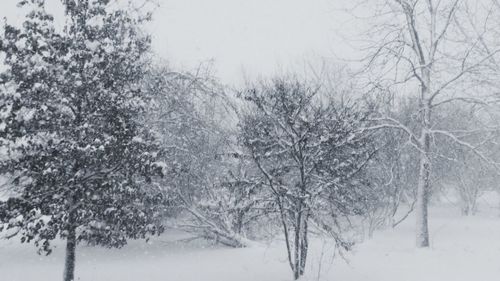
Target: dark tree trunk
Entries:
(69, 265)
(297, 247)
(304, 246)
(301, 242)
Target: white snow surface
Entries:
(463, 248)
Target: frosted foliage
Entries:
(69, 125)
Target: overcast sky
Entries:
(243, 37)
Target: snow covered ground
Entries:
(463, 248)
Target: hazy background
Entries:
(242, 38)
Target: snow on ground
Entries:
(463, 248)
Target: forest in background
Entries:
(103, 142)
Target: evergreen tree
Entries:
(69, 101)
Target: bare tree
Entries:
(311, 153)
(461, 170)
(393, 173)
(211, 191)
(434, 49)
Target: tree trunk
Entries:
(69, 265)
(298, 238)
(304, 246)
(422, 233)
(422, 228)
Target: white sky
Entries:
(242, 37)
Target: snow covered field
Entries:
(463, 248)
